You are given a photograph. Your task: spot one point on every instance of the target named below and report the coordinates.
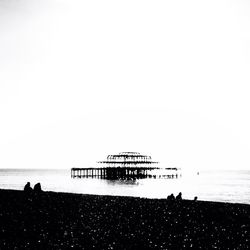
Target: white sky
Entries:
(83, 79)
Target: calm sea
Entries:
(227, 186)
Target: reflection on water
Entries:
(122, 182)
(229, 186)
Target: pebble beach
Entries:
(51, 220)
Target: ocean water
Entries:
(226, 186)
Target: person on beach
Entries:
(171, 197)
(179, 197)
(27, 188)
(37, 188)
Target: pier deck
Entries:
(121, 173)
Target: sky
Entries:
(83, 79)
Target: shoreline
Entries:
(208, 186)
(52, 220)
(126, 196)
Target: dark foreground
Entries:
(72, 221)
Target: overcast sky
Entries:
(83, 79)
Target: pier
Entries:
(126, 165)
(120, 173)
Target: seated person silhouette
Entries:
(37, 188)
(171, 197)
(27, 188)
(179, 197)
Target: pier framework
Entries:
(125, 165)
(121, 173)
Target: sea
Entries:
(208, 185)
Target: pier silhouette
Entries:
(125, 165)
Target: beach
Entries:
(51, 220)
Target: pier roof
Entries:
(130, 162)
(128, 158)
